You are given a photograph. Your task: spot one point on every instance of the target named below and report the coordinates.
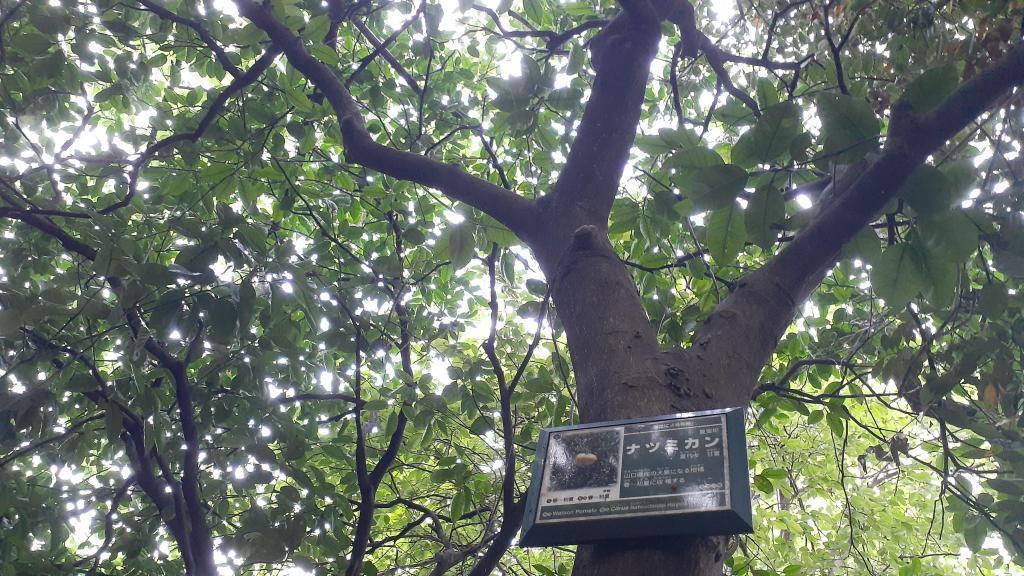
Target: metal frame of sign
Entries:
(597, 510)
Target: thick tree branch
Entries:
(140, 460)
(641, 14)
(621, 54)
(508, 208)
(202, 541)
(174, 499)
(763, 306)
(585, 189)
(717, 57)
(367, 493)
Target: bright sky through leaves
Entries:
(213, 327)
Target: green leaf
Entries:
(324, 53)
(289, 493)
(770, 137)
(993, 299)
(458, 505)
(112, 420)
(678, 138)
(479, 426)
(798, 148)
(941, 277)
(317, 28)
(375, 405)
(536, 287)
(1012, 486)
(652, 144)
(764, 212)
(81, 383)
(565, 99)
(222, 320)
(929, 89)
(865, 246)
(667, 140)
(898, 275)
(10, 323)
(767, 94)
(534, 10)
(726, 233)
(938, 387)
(928, 190)
(31, 43)
(849, 126)
(336, 452)
(1008, 262)
(716, 186)
(951, 235)
(835, 424)
(167, 514)
(975, 531)
(216, 172)
(49, 21)
(267, 548)
(763, 484)
(694, 158)
(460, 245)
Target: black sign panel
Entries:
(592, 481)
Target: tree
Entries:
(292, 283)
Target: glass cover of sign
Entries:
(593, 481)
(650, 468)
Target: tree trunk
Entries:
(651, 557)
(622, 372)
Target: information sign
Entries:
(677, 474)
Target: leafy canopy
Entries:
(225, 304)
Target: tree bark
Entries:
(622, 372)
(677, 556)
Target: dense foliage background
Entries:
(200, 299)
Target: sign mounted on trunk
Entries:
(676, 474)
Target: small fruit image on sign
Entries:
(584, 460)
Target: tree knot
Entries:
(585, 239)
